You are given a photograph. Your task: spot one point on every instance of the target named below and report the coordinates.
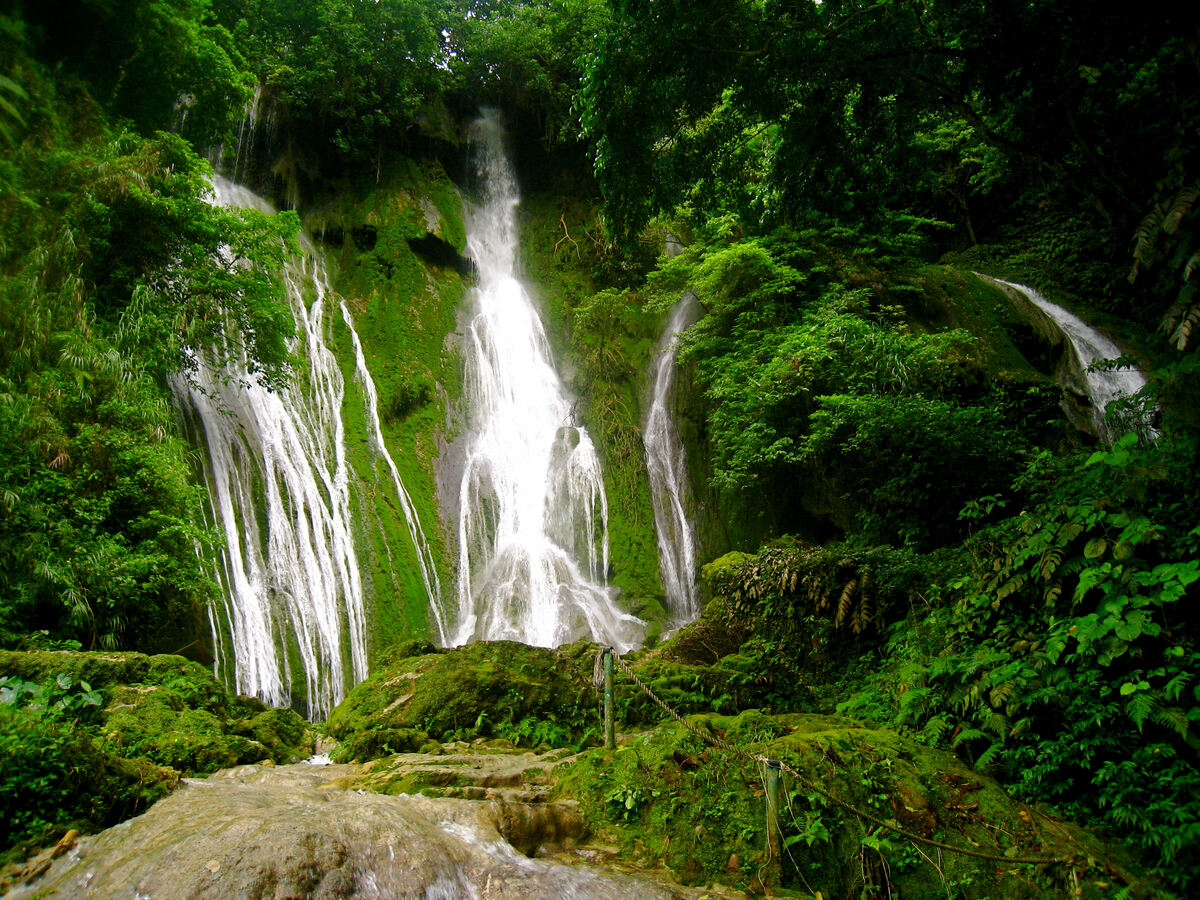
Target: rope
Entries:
(722, 744)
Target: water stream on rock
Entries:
(279, 481)
(1090, 347)
(669, 487)
(304, 831)
(532, 511)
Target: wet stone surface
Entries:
(314, 831)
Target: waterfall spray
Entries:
(669, 487)
(279, 482)
(533, 515)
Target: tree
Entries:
(160, 63)
(1085, 104)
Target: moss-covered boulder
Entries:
(98, 669)
(168, 710)
(533, 695)
(193, 683)
(55, 776)
(88, 739)
(669, 797)
(529, 695)
(154, 722)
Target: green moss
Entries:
(98, 669)
(403, 310)
(155, 723)
(725, 564)
(55, 776)
(169, 710)
(668, 797)
(486, 688)
(372, 743)
(161, 716)
(278, 728)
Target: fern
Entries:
(844, 601)
(1174, 688)
(1179, 206)
(1180, 320)
(966, 734)
(913, 702)
(935, 729)
(1000, 694)
(1140, 706)
(1173, 718)
(1190, 265)
(988, 757)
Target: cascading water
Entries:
(279, 482)
(669, 486)
(298, 831)
(1090, 347)
(532, 512)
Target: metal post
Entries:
(773, 810)
(610, 734)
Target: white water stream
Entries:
(279, 482)
(669, 486)
(1090, 347)
(533, 515)
(298, 831)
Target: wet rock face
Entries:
(300, 831)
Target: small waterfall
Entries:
(669, 486)
(257, 125)
(279, 483)
(433, 585)
(247, 135)
(533, 515)
(1090, 347)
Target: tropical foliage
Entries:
(114, 266)
(881, 449)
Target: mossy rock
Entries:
(393, 249)
(669, 797)
(192, 681)
(716, 634)
(98, 669)
(169, 711)
(372, 743)
(163, 716)
(157, 724)
(282, 729)
(193, 753)
(472, 691)
(610, 386)
(55, 775)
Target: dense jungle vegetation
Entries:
(903, 526)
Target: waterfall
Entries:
(1090, 347)
(279, 484)
(669, 487)
(532, 512)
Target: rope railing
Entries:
(758, 759)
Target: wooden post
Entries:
(610, 734)
(773, 811)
